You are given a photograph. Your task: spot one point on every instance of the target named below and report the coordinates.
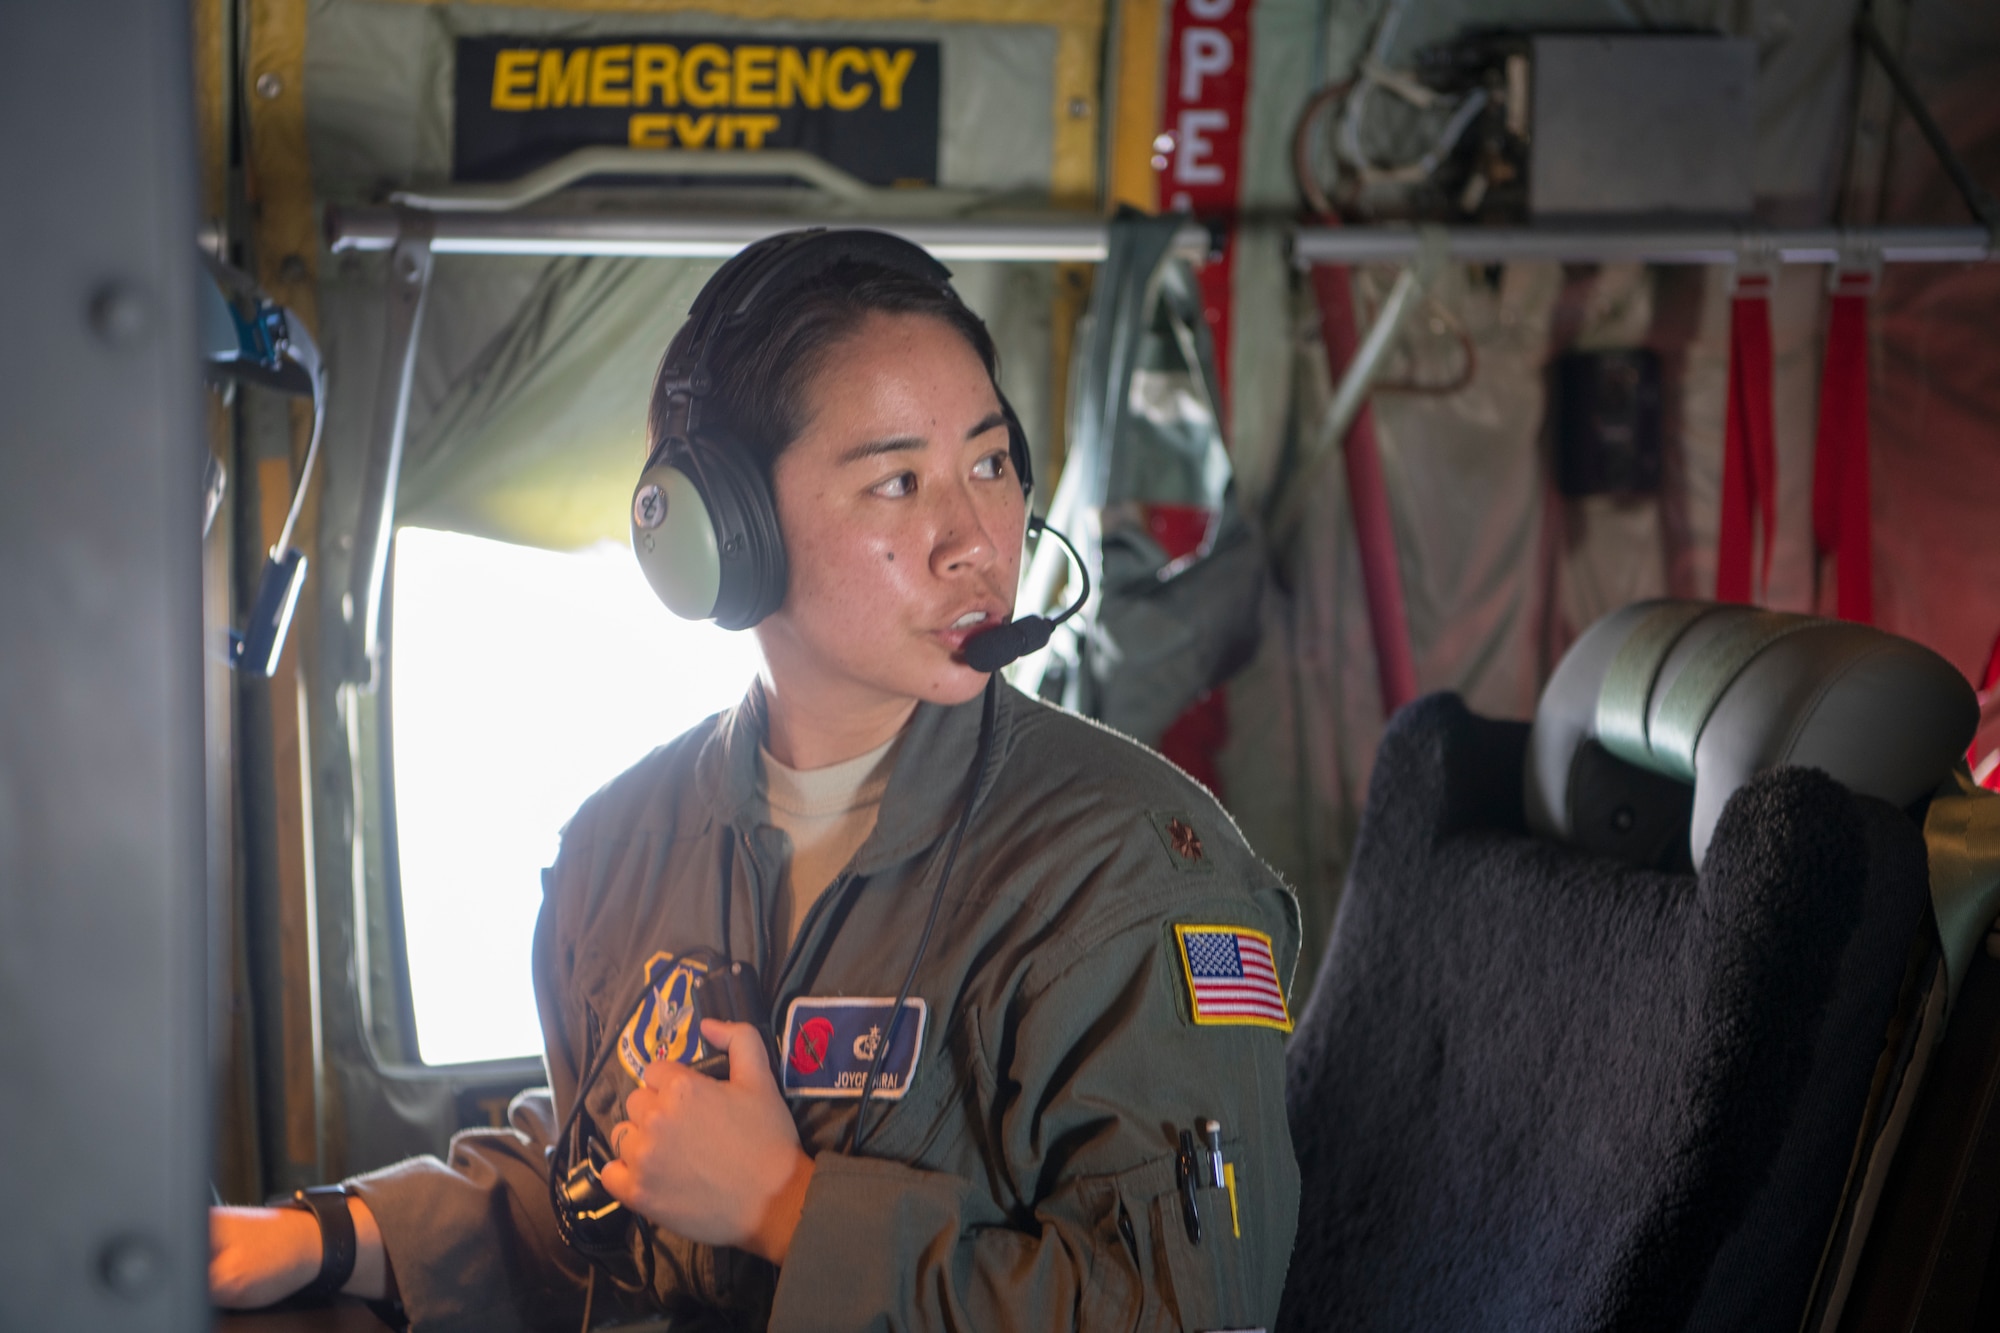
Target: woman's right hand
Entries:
(260, 1255)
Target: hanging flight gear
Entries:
(1145, 452)
(1749, 441)
(1840, 451)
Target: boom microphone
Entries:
(992, 649)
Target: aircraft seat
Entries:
(1623, 1010)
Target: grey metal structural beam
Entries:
(1051, 240)
(1651, 245)
(684, 235)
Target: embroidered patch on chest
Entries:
(830, 1042)
(663, 1026)
(1178, 836)
(1231, 977)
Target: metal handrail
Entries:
(1053, 238)
(1048, 238)
(609, 160)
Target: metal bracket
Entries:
(1982, 205)
(1858, 270)
(410, 263)
(1756, 271)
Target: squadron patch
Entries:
(1231, 978)
(830, 1042)
(663, 1027)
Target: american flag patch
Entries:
(1231, 977)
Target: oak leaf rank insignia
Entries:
(1178, 836)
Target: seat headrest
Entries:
(1662, 710)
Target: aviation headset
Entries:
(704, 522)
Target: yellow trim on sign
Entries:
(1054, 13)
(285, 247)
(1135, 115)
(1079, 29)
(1187, 974)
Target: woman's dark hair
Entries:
(761, 369)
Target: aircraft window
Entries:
(524, 680)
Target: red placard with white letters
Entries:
(1199, 152)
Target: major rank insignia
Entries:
(1231, 977)
(663, 1027)
(830, 1042)
(1177, 834)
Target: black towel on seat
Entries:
(1536, 1089)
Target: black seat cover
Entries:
(1537, 1088)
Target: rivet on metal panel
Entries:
(120, 314)
(130, 1265)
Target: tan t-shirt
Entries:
(828, 813)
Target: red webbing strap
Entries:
(1749, 443)
(1840, 453)
(1985, 774)
(1368, 497)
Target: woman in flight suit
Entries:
(1098, 957)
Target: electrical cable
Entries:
(312, 456)
(1316, 199)
(565, 1151)
(856, 1135)
(1324, 208)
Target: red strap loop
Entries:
(1749, 445)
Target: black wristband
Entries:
(328, 1204)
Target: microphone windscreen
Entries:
(995, 648)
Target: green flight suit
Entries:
(1027, 1178)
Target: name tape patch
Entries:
(1231, 977)
(830, 1042)
(664, 1026)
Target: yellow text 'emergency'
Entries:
(704, 76)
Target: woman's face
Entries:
(902, 519)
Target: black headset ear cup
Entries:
(747, 538)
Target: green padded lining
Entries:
(1701, 683)
(1623, 698)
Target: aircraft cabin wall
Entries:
(488, 221)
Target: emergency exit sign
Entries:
(868, 107)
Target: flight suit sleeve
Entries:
(472, 1238)
(1091, 1078)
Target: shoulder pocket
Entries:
(1194, 1286)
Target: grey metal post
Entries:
(104, 1075)
(409, 282)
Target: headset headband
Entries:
(775, 265)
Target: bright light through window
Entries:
(524, 681)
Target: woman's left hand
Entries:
(716, 1162)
